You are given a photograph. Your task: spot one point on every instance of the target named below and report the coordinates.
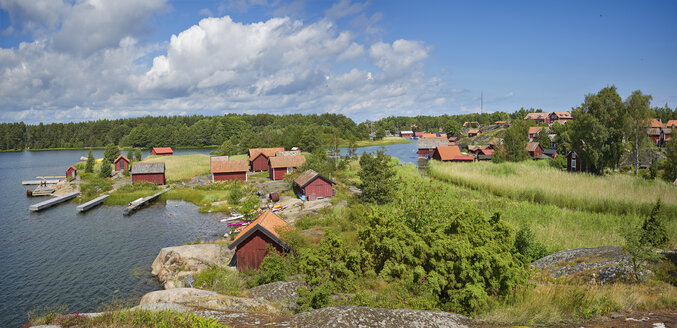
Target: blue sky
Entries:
(89, 59)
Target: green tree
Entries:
(527, 245)
(106, 169)
(637, 109)
(452, 126)
(89, 167)
(352, 148)
(515, 141)
(654, 231)
(670, 168)
(111, 152)
(130, 154)
(227, 148)
(379, 135)
(640, 242)
(137, 154)
(376, 175)
(543, 138)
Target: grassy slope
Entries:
(540, 183)
(182, 167)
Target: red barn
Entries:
(426, 147)
(162, 151)
(313, 185)
(279, 166)
(228, 170)
(258, 157)
(71, 172)
(451, 154)
(121, 163)
(534, 149)
(406, 134)
(149, 172)
(418, 134)
(251, 244)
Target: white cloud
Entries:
(344, 8)
(206, 12)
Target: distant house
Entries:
(538, 117)
(655, 123)
(418, 134)
(500, 122)
(313, 185)
(534, 149)
(251, 244)
(495, 142)
(657, 136)
(149, 172)
(671, 124)
(279, 166)
(561, 117)
(575, 163)
(473, 148)
(451, 154)
(485, 151)
(228, 170)
(473, 132)
(426, 147)
(534, 131)
(162, 151)
(71, 172)
(121, 163)
(407, 134)
(258, 157)
(434, 136)
(552, 153)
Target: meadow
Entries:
(541, 183)
(383, 142)
(181, 167)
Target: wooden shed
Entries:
(258, 157)
(451, 154)
(279, 166)
(534, 149)
(229, 170)
(575, 163)
(426, 147)
(251, 244)
(162, 151)
(121, 163)
(71, 172)
(149, 172)
(473, 132)
(313, 185)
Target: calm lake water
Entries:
(57, 257)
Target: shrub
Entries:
(137, 154)
(111, 152)
(274, 267)
(106, 169)
(221, 280)
(527, 245)
(89, 168)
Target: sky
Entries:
(80, 60)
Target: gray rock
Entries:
(195, 299)
(173, 264)
(283, 292)
(359, 316)
(599, 265)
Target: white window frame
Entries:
(573, 162)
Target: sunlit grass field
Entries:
(182, 167)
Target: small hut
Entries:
(149, 172)
(534, 149)
(451, 154)
(229, 170)
(258, 157)
(251, 244)
(162, 151)
(121, 163)
(71, 172)
(279, 166)
(313, 185)
(426, 147)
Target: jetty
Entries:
(92, 203)
(141, 202)
(37, 182)
(51, 202)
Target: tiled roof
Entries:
(146, 168)
(121, 157)
(163, 150)
(531, 146)
(432, 136)
(656, 123)
(564, 115)
(268, 223)
(220, 166)
(288, 153)
(536, 116)
(449, 153)
(671, 123)
(268, 152)
(431, 143)
(535, 129)
(287, 161)
(308, 176)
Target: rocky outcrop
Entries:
(599, 265)
(173, 264)
(360, 316)
(190, 299)
(282, 292)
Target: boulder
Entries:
(173, 264)
(198, 299)
(282, 292)
(360, 316)
(599, 265)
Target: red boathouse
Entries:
(121, 163)
(162, 151)
(280, 166)
(314, 185)
(229, 170)
(251, 244)
(258, 158)
(71, 172)
(149, 172)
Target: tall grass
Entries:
(182, 167)
(128, 193)
(539, 183)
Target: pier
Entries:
(37, 182)
(92, 203)
(51, 202)
(141, 202)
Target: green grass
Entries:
(93, 186)
(221, 280)
(128, 193)
(182, 167)
(132, 318)
(540, 183)
(384, 142)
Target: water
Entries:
(57, 257)
(406, 153)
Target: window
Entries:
(573, 163)
(290, 170)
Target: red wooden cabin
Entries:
(561, 117)
(406, 134)
(149, 172)
(534, 131)
(121, 163)
(473, 133)
(228, 170)
(71, 172)
(251, 244)
(162, 151)
(534, 149)
(538, 117)
(451, 154)
(258, 157)
(314, 185)
(280, 166)
(426, 147)
(575, 163)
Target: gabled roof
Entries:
(309, 176)
(531, 146)
(72, 167)
(536, 116)
(288, 153)
(433, 136)
(163, 150)
(495, 141)
(431, 143)
(656, 123)
(418, 134)
(550, 152)
(450, 153)
(218, 158)
(220, 166)
(146, 168)
(485, 151)
(406, 132)
(268, 152)
(269, 224)
(562, 115)
(287, 161)
(121, 157)
(671, 123)
(475, 131)
(535, 129)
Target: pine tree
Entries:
(89, 168)
(106, 168)
(111, 152)
(137, 154)
(130, 155)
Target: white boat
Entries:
(233, 218)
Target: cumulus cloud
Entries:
(344, 8)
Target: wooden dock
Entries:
(92, 203)
(37, 182)
(51, 202)
(142, 202)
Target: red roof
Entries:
(452, 153)
(474, 131)
(418, 134)
(671, 123)
(268, 152)
(121, 157)
(433, 136)
(656, 123)
(536, 116)
(535, 129)
(532, 146)
(562, 115)
(163, 150)
(219, 166)
(268, 221)
(486, 151)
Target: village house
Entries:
(552, 153)
(451, 154)
(121, 163)
(434, 136)
(258, 157)
(538, 117)
(426, 147)
(407, 134)
(224, 169)
(473, 132)
(560, 117)
(418, 134)
(149, 172)
(495, 142)
(575, 163)
(486, 151)
(252, 243)
(312, 185)
(534, 149)
(671, 124)
(161, 151)
(71, 172)
(280, 166)
(533, 132)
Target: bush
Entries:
(111, 152)
(89, 168)
(274, 267)
(526, 244)
(627, 168)
(221, 280)
(106, 169)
